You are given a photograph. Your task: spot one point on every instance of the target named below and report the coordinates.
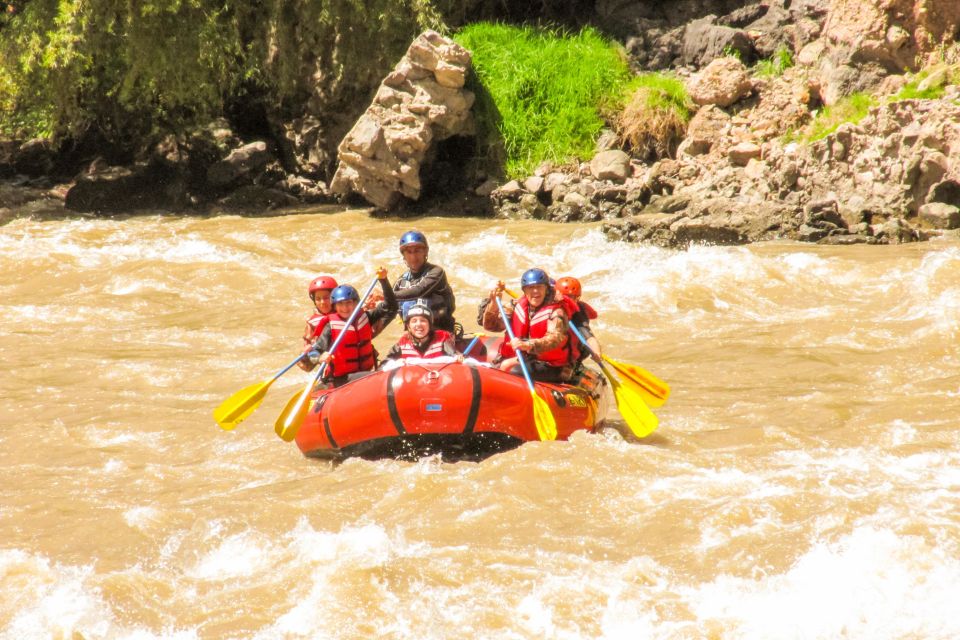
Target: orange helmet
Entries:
(321, 283)
(569, 286)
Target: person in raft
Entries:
(539, 321)
(426, 281)
(319, 291)
(571, 288)
(373, 301)
(355, 353)
(421, 340)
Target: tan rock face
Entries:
(420, 102)
(895, 33)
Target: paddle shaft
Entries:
(472, 344)
(336, 343)
(583, 341)
(288, 367)
(520, 358)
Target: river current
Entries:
(804, 481)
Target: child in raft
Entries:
(571, 288)
(319, 291)
(355, 354)
(421, 340)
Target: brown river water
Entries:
(804, 481)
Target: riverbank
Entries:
(764, 155)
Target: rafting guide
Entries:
(425, 281)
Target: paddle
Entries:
(635, 412)
(473, 343)
(240, 405)
(290, 419)
(542, 417)
(654, 390)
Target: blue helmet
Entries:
(413, 238)
(344, 292)
(534, 276)
(412, 308)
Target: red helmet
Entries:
(569, 286)
(321, 283)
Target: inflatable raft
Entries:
(459, 410)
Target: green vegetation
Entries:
(946, 74)
(654, 117)
(911, 91)
(855, 106)
(543, 92)
(852, 109)
(732, 52)
(774, 66)
(135, 70)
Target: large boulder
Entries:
(34, 158)
(613, 165)
(422, 101)
(705, 131)
(723, 82)
(704, 41)
(244, 161)
(108, 190)
(681, 221)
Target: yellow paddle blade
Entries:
(240, 405)
(635, 412)
(654, 390)
(290, 419)
(543, 418)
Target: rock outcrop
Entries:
(892, 177)
(420, 103)
(864, 40)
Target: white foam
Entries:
(351, 550)
(870, 585)
(43, 600)
(240, 555)
(140, 517)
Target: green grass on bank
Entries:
(543, 92)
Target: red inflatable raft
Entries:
(462, 411)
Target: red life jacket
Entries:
(588, 310)
(314, 328)
(433, 350)
(355, 351)
(536, 327)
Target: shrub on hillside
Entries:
(542, 92)
(133, 70)
(654, 119)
